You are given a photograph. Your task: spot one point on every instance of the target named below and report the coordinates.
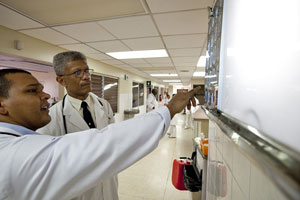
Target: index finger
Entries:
(194, 91)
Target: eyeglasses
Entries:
(80, 73)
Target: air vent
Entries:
(184, 70)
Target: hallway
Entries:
(151, 177)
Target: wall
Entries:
(43, 51)
(242, 178)
(50, 85)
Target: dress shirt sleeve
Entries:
(46, 167)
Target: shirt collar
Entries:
(76, 103)
(20, 129)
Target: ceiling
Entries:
(95, 27)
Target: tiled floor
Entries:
(151, 177)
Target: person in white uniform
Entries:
(36, 167)
(151, 100)
(67, 116)
(189, 117)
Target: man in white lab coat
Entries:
(151, 100)
(67, 116)
(39, 167)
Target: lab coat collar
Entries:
(76, 103)
(17, 128)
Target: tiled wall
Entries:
(234, 176)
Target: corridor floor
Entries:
(151, 177)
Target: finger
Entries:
(193, 101)
(194, 91)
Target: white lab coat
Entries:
(151, 102)
(43, 167)
(108, 189)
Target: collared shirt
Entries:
(20, 129)
(76, 103)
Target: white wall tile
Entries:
(219, 139)
(237, 193)
(241, 171)
(228, 151)
(261, 187)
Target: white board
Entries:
(260, 66)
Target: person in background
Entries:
(46, 167)
(80, 110)
(167, 99)
(151, 100)
(188, 117)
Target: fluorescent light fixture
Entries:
(176, 84)
(201, 61)
(158, 75)
(171, 81)
(139, 54)
(199, 74)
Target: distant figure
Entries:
(151, 101)
(188, 117)
(54, 101)
(167, 99)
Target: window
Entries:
(106, 88)
(137, 94)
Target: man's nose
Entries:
(45, 96)
(86, 76)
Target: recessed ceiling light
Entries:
(199, 74)
(139, 54)
(201, 61)
(158, 75)
(171, 81)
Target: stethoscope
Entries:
(64, 117)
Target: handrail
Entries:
(279, 162)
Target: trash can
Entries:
(191, 179)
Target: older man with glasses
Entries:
(80, 110)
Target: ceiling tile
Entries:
(158, 60)
(150, 43)
(135, 61)
(79, 47)
(130, 27)
(185, 65)
(49, 35)
(185, 41)
(179, 60)
(86, 32)
(188, 22)
(175, 5)
(99, 56)
(53, 12)
(162, 64)
(16, 21)
(109, 46)
(112, 62)
(162, 72)
(138, 65)
(185, 52)
(190, 69)
(123, 66)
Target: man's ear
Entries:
(61, 80)
(3, 110)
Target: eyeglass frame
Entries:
(82, 72)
